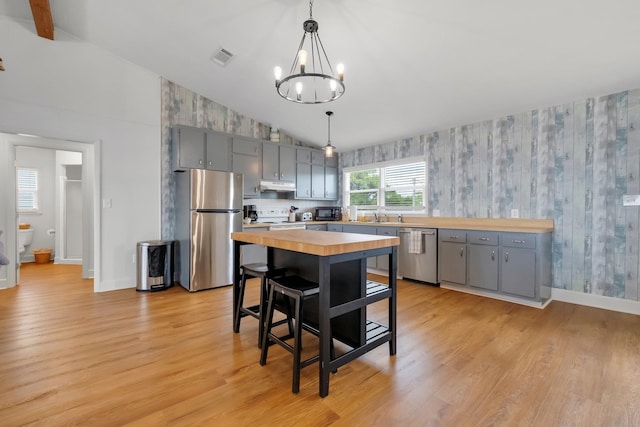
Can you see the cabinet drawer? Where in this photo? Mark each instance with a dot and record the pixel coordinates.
(387, 231)
(446, 235)
(243, 146)
(483, 237)
(334, 227)
(519, 240)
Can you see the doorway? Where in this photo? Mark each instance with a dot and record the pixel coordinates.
(82, 245)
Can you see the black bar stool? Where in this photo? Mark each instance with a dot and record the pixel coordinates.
(298, 290)
(258, 269)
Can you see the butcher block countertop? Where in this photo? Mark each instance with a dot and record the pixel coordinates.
(519, 225)
(321, 243)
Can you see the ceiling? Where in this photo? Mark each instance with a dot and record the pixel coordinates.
(411, 66)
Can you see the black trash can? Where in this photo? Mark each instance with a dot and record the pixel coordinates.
(155, 265)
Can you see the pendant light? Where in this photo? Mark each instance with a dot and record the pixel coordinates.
(328, 149)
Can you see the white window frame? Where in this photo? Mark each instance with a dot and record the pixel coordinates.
(36, 194)
(381, 188)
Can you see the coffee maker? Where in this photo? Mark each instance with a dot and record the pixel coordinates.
(251, 211)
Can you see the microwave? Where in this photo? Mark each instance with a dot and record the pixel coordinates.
(328, 213)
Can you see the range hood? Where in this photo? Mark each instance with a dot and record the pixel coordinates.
(277, 186)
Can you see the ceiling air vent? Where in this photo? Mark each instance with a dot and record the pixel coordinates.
(222, 57)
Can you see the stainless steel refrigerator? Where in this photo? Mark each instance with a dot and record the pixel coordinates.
(208, 209)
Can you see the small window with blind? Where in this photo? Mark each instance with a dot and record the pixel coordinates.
(396, 187)
(27, 180)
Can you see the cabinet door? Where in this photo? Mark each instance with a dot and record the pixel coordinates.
(317, 157)
(518, 275)
(303, 155)
(189, 146)
(483, 266)
(317, 181)
(331, 183)
(270, 162)
(247, 160)
(303, 181)
(217, 151)
(452, 262)
(287, 163)
(253, 253)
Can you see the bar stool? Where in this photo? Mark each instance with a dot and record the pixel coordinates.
(258, 269)
(299, 290)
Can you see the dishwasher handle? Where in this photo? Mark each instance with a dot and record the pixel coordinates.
(424, 233)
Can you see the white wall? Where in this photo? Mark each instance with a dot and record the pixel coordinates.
(71, 90)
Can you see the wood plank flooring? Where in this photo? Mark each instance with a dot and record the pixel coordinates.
(72, 357)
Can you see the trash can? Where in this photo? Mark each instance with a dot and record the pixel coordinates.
(155, 265)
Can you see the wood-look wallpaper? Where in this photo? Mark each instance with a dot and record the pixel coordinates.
(571, 163)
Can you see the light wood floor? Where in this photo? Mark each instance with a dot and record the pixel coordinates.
(72, 357)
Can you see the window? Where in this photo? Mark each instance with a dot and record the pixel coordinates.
(27, 190)
(398, 186)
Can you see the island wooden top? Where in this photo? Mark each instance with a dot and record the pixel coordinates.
(322, 243)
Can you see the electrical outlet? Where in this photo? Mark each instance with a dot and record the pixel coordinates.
(134, 258)
(436, 212)
(631, 200)
(106, 203)
(515, 213)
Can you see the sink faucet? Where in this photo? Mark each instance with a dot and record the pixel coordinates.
(399, 217)
(375, 216)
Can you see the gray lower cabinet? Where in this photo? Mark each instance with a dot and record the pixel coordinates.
(525, 262)
(253, 253)
(363, 229)
(334, 227)
(482, 258)
(512, 264)
(452, 256)
(382, 262)
(247, 160)
(318, 227)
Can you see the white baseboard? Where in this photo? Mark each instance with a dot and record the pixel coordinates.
(597, 301)
(115, 285)
(76, 261)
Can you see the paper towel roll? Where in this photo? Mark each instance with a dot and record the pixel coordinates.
(51, 232)
(353, 213)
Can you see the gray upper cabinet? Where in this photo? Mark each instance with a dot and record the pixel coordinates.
(218, 151)
(196, 148)
(314, 179)
(278, 162)
(317, 181)
(247, 160)
(330, 183)
(303, 180)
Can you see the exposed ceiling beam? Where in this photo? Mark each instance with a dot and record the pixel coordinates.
(42, 18)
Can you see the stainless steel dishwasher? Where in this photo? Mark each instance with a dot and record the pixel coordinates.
(418, 254)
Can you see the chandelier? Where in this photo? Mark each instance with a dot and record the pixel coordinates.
(328, 149)
(311, 79)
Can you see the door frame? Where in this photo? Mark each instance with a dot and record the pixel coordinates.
(90, 202)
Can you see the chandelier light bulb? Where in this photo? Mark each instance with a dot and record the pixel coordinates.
(333, 86)
(299, 90)
(277, 72)
(302, 57)
(340, 69)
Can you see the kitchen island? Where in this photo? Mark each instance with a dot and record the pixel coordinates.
(337, 262)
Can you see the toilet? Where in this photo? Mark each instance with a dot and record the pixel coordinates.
(25, 236)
